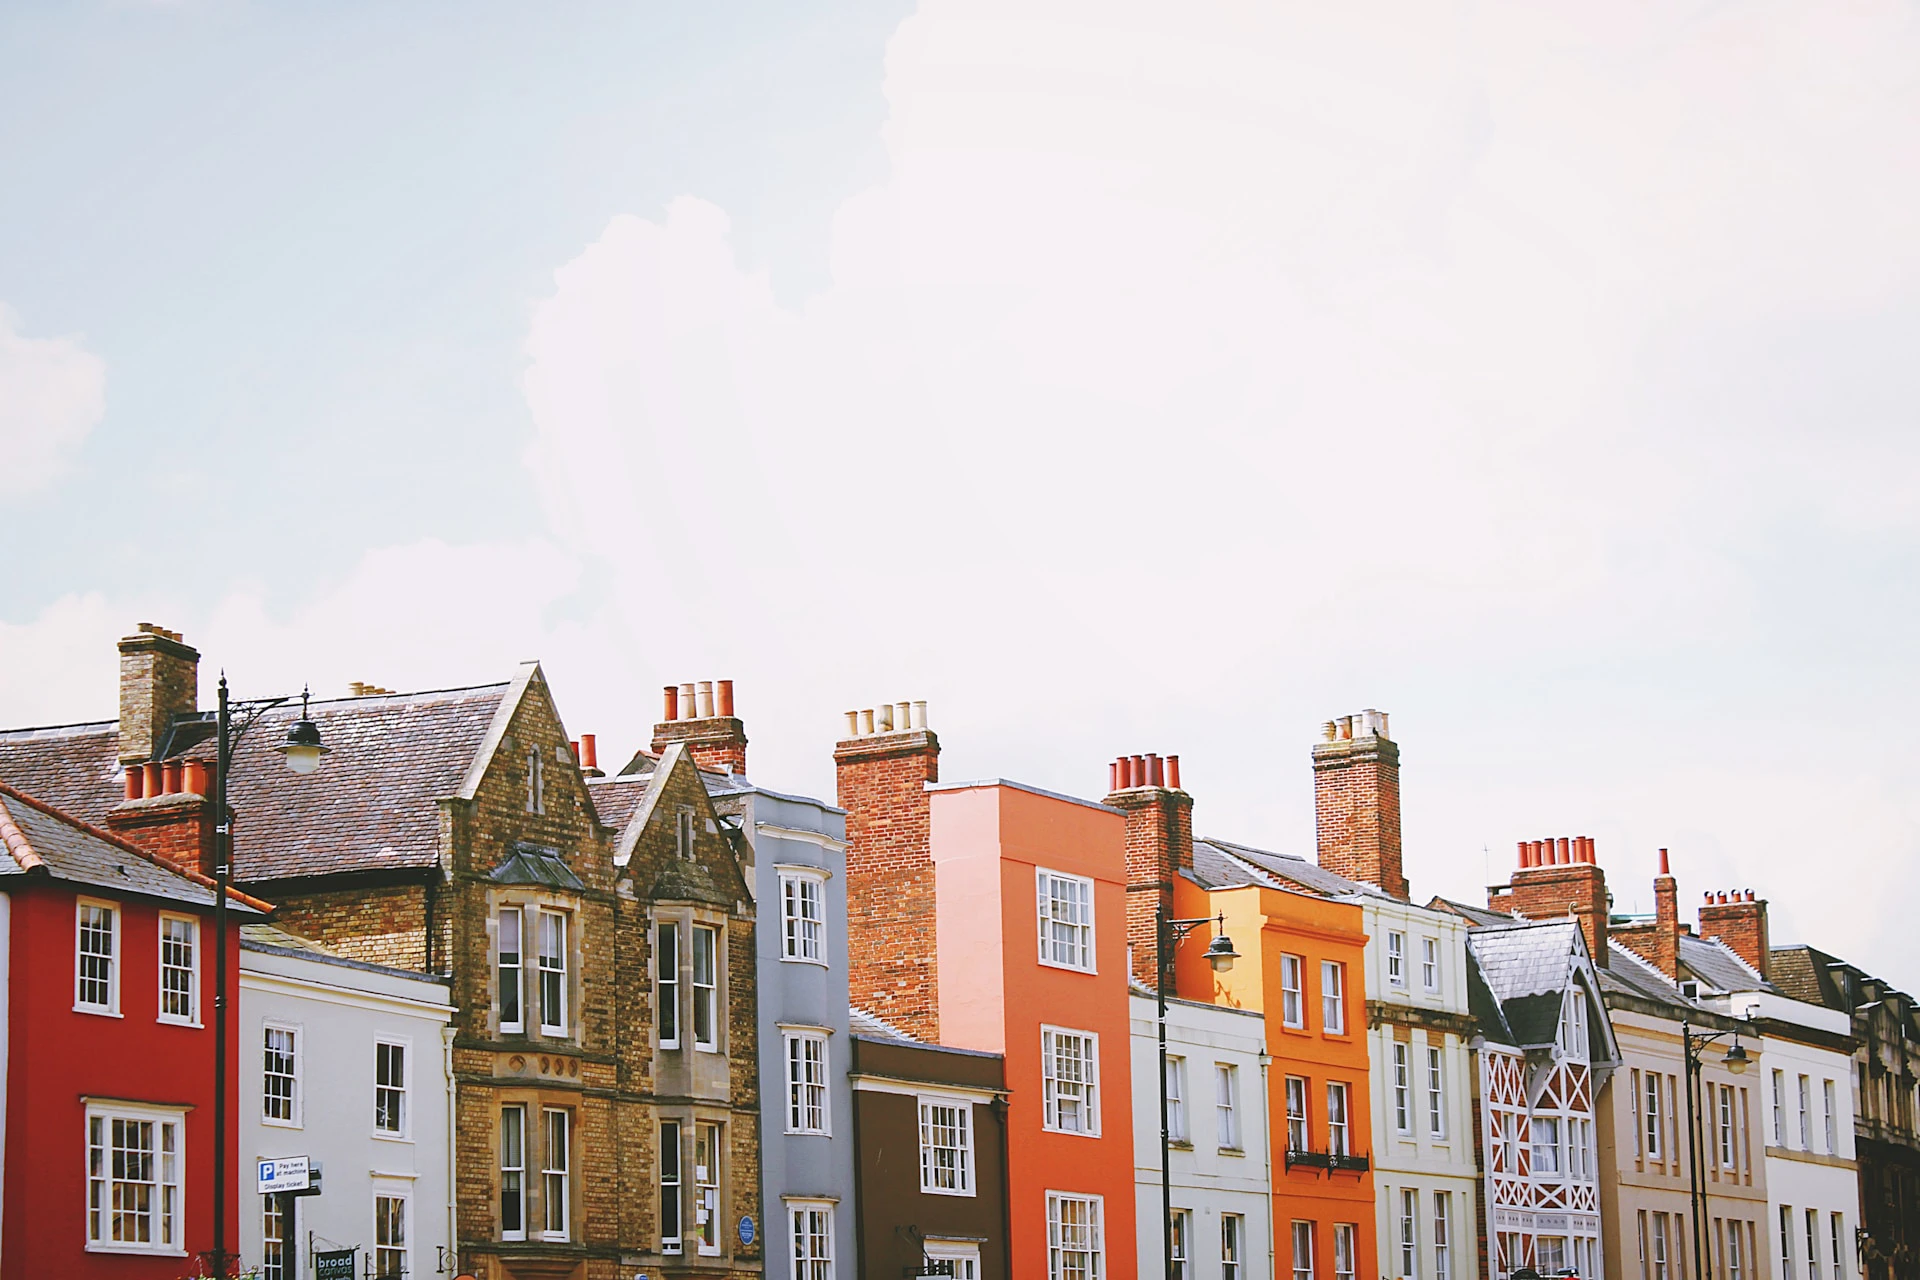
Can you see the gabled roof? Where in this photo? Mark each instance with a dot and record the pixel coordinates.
(1801, 973)
(41, 842)
(1528, 966)
(1718, 967)
(542, 868)
(1470, 913)
(1235, 863)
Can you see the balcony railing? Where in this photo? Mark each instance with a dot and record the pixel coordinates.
(1331, 1161)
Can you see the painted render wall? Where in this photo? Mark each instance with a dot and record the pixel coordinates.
(1208, 1180)
(1408, 1012)
(793, 831)
(339, 1008)
(1804, 1175)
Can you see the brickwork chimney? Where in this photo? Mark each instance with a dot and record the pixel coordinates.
(1159, 844)
(1559, 877)
(167, 812)
(1658, 942)
(883, 766)
(159, 679)
(1356, 801)
(693, 713)
(1738, 919)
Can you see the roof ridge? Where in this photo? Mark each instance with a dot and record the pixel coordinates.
(120, 842)
(1717, 941)
(16, 842)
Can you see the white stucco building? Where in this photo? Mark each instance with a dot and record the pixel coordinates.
(1806, 1095)
(1219, 1156)
(346, 1063)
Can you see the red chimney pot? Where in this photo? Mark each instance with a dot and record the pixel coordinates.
(136, 782)
(587, 744)
(1173, 772)
(670, 702)
(726, 700)
(1664, 869)
(170, 777)
(1156, 776)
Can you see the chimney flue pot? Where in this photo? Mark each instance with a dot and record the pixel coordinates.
(853, 724)
(687, 709)
(1113, 776)
(155, 784)
(195, 778)
(136, 782)
(1156, 776)
(726, 697)
(170, 778)
(588, 745)
(866, 722)
(919, 715)
(883, 717)
(1173, 772)
(1330, 731)
(669, 703)
(1566, 851)
(1665, 869)
(703, 699)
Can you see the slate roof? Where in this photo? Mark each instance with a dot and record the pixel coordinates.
(74, 767)
(1219, 864)
(1470, 913)
(615, 798)
(38, 840)
(1718, 966)
(1526, 966)
(1801, 974)
(268, 940)
(528, 865)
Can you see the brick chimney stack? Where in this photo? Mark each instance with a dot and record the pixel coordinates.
(1159, 844)
(1356, 801)
(1738, 919)
(159, 679)
(1658, 942)
(167, 811)
(1559, 877)
(883, 766)
(701, 715)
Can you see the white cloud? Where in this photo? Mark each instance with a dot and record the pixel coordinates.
(52, 393)
(1199, 373)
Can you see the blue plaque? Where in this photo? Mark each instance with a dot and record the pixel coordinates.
(746, 1228)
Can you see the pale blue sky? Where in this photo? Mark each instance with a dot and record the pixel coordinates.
(1115, 376)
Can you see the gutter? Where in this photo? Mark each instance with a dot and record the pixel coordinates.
(1267, 1123)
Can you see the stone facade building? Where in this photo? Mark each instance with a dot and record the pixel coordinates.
(601, 965)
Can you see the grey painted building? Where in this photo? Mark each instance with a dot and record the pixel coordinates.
(799, 882)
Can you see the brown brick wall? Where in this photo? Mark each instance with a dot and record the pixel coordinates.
(1159, 845)
(892, 921)
(1545, 893)
(178, 829)
(1657, 943)
(382, 926)
(718, 744)
(1741, 923)
(159, 679)
(1356, 807)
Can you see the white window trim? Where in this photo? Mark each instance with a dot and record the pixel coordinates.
(136, 1111)
(405, 1133)
(112, 1008)
(562, 1029)
(1299, 990)
(661, 985)
(1180, 1134)
(519, 1025)
(717, 1183)
(1091, 1109)
(794, 1207)
(1230, 1106)
(1099, 1203)
(672, 1243)
(1042, 875)
(404, 1194)
(717, 1020)
(1396, 958)
(809, 1035)
(1436, 1092)
(299, 1033)
(935, 1250)
(970, 1171)
(566, 1177)
(796, 875)
(1402, 1087)
(160, 975)
(1430, 946)
(500, 1169)
(1340, 1002)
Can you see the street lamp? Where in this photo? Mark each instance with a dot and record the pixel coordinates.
(302, 751)
(1167, 935)
(1735, 1062)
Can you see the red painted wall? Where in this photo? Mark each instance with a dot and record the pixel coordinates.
(996, 995)
(58, 1057)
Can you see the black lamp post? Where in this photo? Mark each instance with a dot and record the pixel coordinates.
(1167, 934)
(302, 751)
(1736, 1062)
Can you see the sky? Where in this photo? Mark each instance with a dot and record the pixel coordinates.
(1115, 377)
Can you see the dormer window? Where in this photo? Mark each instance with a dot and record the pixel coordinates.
(683, 832)
(1573, 1025)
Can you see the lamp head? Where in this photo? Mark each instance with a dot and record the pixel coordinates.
(1220, 953)
(302, 749)
(1737, 1059)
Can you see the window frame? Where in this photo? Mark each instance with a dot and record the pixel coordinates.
(161, 1118)
(1179, 1236)
(683, 833)
(800, 1214)
(706, 995)
(297, 1097)
(666, 984)
(1430, 965)
(1402, 1087)
(516, 1025)
(404, 1198)
(1806, 1112)
(1654, 1120)
(1300, 1237)
(111, 1009)
(560, 974)
(1293, 998)
(1297, 1088)
(1343, 1251)
(1084, 938)
(1436, 1093)
(798, 1087)
(1539, 1145)
(672, 1245)
(518, 1110)
(1226, 1105)
(1409, 1233)
(803, 938)
(1177, 1131)
(1442, 1235)
(1056, 1232)
(1333, 998)
(274, 1221)
(1827, 1122)
(1344, 1125)
(1088, 1085)
(1233, 1246)
(714, 1134)
(405, 1089)
(192, 1017)
(1396, 958)
(963, 1168)
(549, 1172)
(536, 782)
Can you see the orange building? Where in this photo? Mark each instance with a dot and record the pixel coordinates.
(1300, 965)
(1031, 905)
